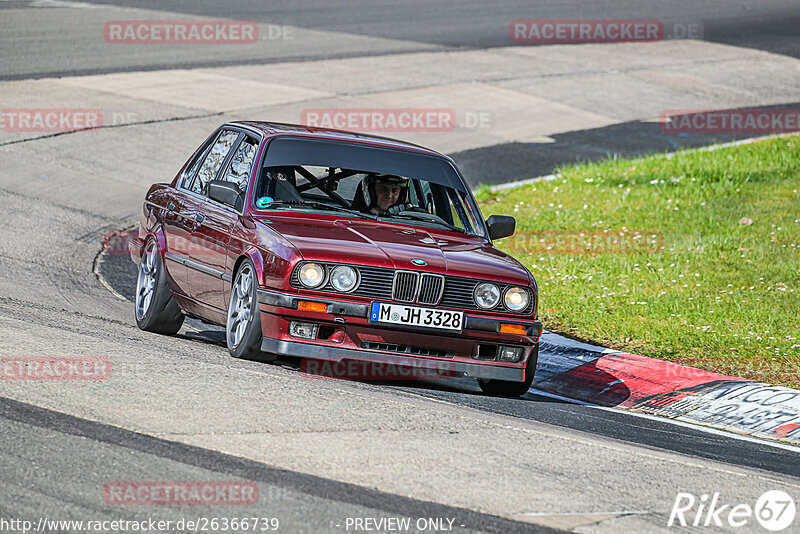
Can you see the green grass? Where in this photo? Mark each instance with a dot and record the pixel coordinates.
(701, 285)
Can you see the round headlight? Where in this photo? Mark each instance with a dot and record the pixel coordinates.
(516, 299)
(343, 278)
(312, 274)
(487, 295)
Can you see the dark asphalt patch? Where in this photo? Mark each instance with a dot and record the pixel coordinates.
(775, 33)
(120, 273)
(769, 26)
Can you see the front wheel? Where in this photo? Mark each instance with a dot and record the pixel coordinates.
(156, 309)
(243, 328)
(504, 388)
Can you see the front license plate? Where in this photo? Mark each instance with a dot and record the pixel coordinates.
(382, 312)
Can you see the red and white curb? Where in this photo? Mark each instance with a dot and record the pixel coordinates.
(607, 377)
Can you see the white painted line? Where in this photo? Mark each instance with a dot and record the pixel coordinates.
(695, 426)
(96, 270)
(64, 3)
(520, 183)
(579, 514)
(549, 177)
(563, 341)
(740, 142)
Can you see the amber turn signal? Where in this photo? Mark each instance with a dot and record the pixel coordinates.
(307, 305)
(506, 328)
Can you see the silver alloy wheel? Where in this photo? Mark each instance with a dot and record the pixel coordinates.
(146, 283)
(241, 303)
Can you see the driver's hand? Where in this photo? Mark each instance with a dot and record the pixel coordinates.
(397, 208)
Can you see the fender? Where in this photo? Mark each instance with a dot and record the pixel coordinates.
(258, 262)
(255, 256)
(136, 248)
(535, 286)
(158, 233)
(136, 243)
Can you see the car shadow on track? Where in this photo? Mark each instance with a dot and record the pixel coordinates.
(585, 382)
(451, 388)
(214, 337)
(583, 379)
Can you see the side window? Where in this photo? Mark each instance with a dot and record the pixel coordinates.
(213, 161)
(241, 164)
(190, 173)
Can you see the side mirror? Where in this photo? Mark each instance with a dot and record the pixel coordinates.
(501, 226)
(224, 192)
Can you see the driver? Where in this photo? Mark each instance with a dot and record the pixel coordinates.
(385, 193)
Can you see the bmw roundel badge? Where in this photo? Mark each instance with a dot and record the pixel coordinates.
(420, 263)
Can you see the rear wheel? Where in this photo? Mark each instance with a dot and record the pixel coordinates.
(156, 309)
(504, 388)
(243, 328)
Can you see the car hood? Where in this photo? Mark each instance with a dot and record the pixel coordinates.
(394, 246)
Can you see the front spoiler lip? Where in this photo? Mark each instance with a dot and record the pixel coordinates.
(282, 300)
(468, 370)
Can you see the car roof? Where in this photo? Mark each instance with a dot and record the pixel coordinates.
(272, 129)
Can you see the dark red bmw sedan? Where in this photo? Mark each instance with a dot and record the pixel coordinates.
(336, 246)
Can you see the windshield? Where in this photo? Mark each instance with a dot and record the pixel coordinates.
(379, 192)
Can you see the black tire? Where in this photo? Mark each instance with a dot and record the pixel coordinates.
(244, 315)
(161, 314)
(504, 388)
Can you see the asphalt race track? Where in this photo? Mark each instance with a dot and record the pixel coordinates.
(417, 25)
(322, 452)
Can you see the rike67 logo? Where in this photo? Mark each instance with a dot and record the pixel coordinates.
(774, 511)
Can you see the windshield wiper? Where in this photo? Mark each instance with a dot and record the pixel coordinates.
(420, 217)
(322, 206)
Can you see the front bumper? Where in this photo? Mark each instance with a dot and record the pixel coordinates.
(322, 352)
(352, 337)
